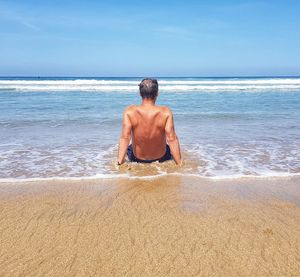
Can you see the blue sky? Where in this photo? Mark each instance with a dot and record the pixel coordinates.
(149, 38)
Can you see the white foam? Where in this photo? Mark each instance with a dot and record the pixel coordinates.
(264, 84)
(147, 177)
(211, 161)
(258, 159)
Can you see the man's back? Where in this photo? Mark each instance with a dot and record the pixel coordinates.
(149, 127)
(148, 130)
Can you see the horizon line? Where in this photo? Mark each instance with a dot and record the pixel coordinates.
(219, 76)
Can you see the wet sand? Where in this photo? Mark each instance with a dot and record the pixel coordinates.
(169, 226)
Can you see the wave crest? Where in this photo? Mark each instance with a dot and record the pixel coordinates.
(99, 85)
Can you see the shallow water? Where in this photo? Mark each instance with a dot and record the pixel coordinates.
(65, 127)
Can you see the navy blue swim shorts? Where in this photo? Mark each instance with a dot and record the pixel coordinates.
(164, 158)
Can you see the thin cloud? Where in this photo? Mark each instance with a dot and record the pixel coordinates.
(174, 30)
(11, 16)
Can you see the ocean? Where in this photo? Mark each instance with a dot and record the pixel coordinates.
(227, 127)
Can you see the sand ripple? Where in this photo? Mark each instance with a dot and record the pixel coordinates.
(165, 227)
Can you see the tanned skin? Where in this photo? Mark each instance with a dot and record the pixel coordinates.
(149, 127)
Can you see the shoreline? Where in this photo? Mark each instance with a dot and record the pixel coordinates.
(168, 226)
(124, 176)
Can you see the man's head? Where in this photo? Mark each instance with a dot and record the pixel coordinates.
(149, 88)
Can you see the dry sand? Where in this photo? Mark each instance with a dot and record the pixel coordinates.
(170, 226)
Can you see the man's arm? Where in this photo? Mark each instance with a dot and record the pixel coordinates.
(125, 137)
(172, 138)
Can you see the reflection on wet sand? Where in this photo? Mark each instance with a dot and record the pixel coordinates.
(169, 226)
(190, 166)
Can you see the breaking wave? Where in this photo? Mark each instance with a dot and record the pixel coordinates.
(182, 85)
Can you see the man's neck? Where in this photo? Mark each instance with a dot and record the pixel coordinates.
(148, 102)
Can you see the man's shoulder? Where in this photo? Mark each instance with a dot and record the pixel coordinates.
(130, 109)
(165, 109)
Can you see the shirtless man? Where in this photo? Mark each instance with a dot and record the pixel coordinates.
(149, 127)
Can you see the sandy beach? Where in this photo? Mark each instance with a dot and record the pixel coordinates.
(168, 226)
(158, 138)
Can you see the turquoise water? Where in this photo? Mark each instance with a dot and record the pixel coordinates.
(69, 127)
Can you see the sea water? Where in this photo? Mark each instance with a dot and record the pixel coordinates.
(69, 127)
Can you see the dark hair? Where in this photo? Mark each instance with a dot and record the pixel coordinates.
(149, 88)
